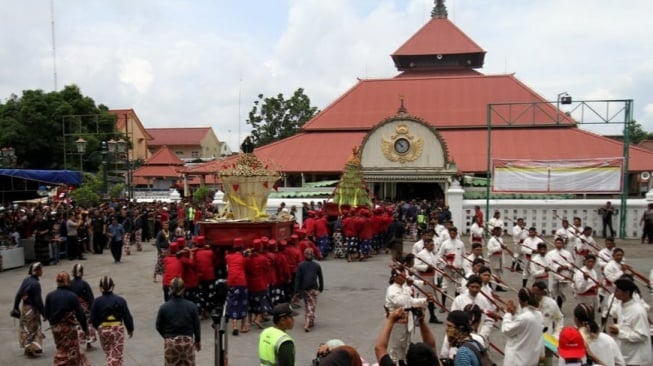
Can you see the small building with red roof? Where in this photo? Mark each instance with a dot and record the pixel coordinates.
(161, 171)
(429, 123)
(189, 143)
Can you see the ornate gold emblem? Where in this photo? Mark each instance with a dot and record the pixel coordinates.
(402, 146)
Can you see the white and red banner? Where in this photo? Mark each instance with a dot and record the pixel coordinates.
(602, 175)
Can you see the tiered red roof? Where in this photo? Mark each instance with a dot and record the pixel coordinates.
(438, 37)
(164, 163)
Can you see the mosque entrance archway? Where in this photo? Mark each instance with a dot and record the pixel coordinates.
(419, 191)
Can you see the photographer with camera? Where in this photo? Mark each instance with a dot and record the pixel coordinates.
(400, 295)
(418, 354)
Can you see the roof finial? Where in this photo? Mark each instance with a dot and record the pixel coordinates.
(402, 111)
(440, 10)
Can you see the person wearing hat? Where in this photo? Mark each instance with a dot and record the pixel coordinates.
(308, 283)
(632, 331)
(523, 331)
(322, 234)
(178, 323)
(459, 335)
(82, 289)
(450, 257)
(275, 346)
(257, 269)
(110, 316)
(571, 347)
(64, 314)
(30, 336)
(237, 295)
(601, 348)
(206, 290)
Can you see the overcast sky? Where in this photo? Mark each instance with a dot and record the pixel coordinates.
(203, 62)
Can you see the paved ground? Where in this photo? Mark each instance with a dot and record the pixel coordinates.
(351, 308)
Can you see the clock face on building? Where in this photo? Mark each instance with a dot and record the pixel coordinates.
(402, 146)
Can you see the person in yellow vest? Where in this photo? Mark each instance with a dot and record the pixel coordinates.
(275, 346)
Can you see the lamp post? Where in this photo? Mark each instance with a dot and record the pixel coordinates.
(8, 157)
(81, 149)
(563, 98)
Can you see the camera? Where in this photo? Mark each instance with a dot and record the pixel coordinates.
(418, 312)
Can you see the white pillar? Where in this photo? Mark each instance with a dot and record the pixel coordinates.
(455, 202)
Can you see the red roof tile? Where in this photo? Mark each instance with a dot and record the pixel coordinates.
(324, 152)
(438, 36)
(164, 156)
(442, 101)
(468, 148)
(157, 171)
(327, 152)
(210, 167)
(177, 136)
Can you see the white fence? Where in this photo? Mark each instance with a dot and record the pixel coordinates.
(542, 214)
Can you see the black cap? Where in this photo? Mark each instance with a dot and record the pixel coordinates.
(281, 310)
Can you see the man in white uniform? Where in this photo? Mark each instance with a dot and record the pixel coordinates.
(495, 221)
(528, 248)
(585, 288)
(477, 252)
(632, 330)
(611, 273)
(425, 262)
(519, 234)
(495, 248)
(419, 245)
(523, 331)
(450, 258)
(585, 245)
(560, 261)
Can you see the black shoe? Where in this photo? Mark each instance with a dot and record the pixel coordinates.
(435, 321)
(234, 332)
(500, 289)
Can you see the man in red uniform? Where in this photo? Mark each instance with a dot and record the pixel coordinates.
(190, 275)
(322, 233)
(173, 265)
(257, 271)
(305, 242)
(351, 236)
(309, 225)
(293, 257)
(206, 274)
(364, 228)
(238, 296)
(376, 222)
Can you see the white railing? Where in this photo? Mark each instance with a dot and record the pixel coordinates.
(542, 214)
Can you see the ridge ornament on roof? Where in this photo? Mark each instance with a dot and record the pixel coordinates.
(439, 10)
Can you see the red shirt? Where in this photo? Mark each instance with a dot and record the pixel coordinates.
(349, 226)
(204, 264)
(236, 264)
(364, 228)
(292, 257)
(190, 276)
(309, 226)
(173, 268)
(377, 224)
(272, 274)
(257, 270)
(282, 268)
(321, 227)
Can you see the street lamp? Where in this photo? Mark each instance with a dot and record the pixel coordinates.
(563, 98)
(81, 149)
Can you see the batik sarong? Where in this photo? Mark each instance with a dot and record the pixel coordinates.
(91, 335)
(338, 244)
(365, 246)
(324, 244)
(112, 340)
(138, 238)
(66, 341)
(351, 243)
(179, 351)
(30, 336)
(158, 266)
(237, 302)
(277, 294)
(126, 241)
(259, 302)
(206, 295)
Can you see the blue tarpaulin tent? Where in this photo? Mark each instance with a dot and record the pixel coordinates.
(18, 184)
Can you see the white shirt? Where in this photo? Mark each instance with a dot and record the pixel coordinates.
(604, 257)
(495, 246)
(400, 296)
(582, 285)
(494, 222)
(551, 314)
(451, 247)
(476, 232)
(418, 246)
(556, 258)
(465, 299)
(523, 332)
(538, 265)
(529, 246)
(430, 257)
(565, 234)
(605, 348)
(585, 244)
(518, 235)
(612, 271)
(634, 338)
(467, 264)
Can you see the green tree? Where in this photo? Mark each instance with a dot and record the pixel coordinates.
(637, 133)
(275, 118)
(201, 194)
(33, 125)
